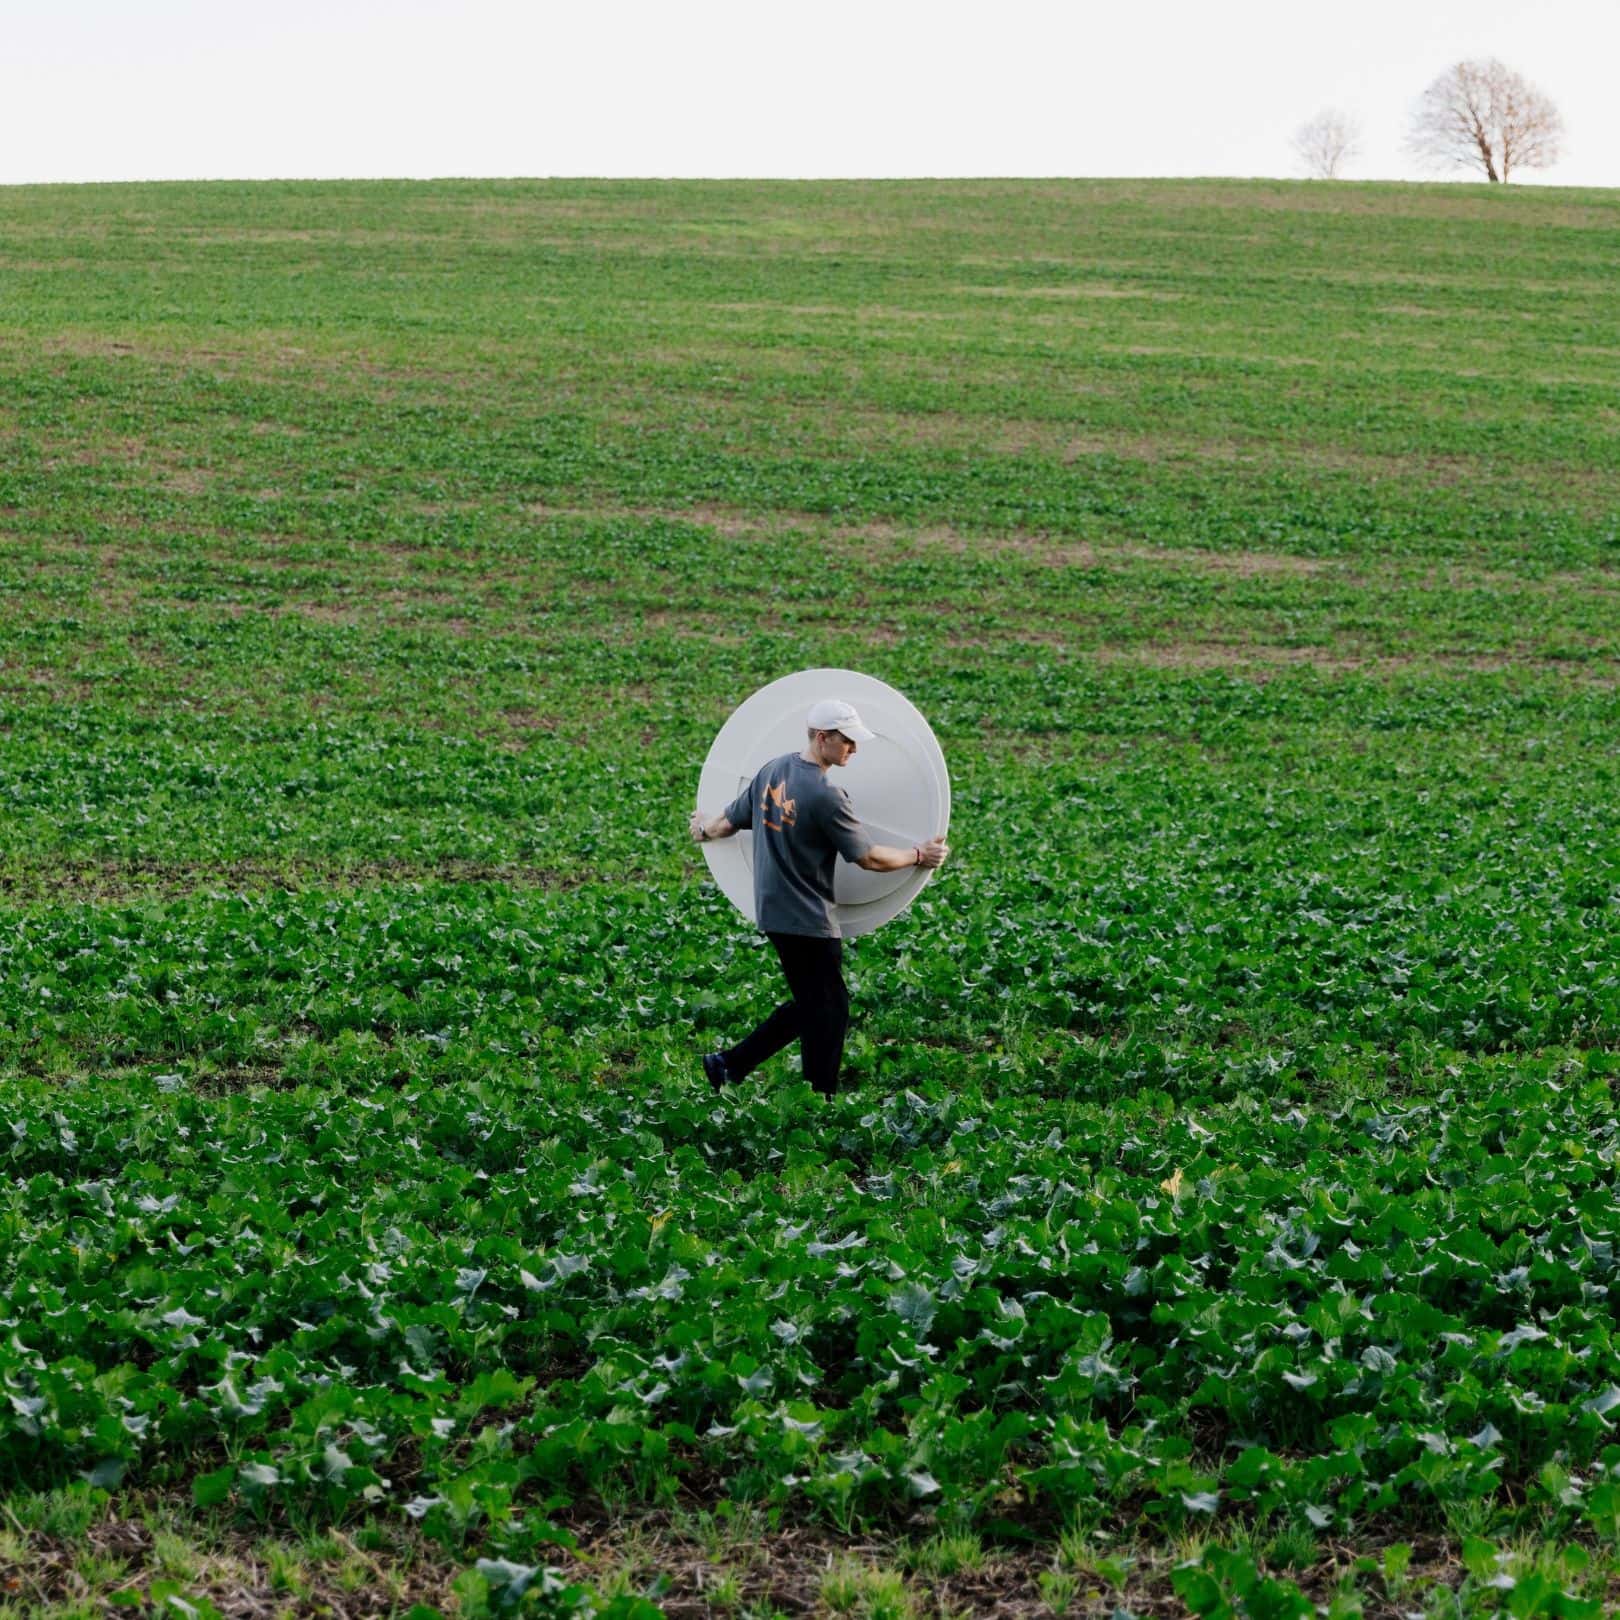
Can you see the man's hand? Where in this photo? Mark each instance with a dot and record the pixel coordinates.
(934, 852)
(704, 830)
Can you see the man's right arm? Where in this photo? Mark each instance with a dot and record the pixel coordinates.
(851, 840)
(889, 858)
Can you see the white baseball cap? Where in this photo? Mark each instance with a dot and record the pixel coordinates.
(833, 714)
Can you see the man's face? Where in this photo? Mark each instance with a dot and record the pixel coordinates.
(834, 747)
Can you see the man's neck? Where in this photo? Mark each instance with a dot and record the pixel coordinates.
(810, 759)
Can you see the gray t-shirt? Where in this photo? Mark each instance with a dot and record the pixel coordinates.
(801, 825)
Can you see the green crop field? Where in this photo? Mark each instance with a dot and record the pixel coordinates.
(1222, 1215)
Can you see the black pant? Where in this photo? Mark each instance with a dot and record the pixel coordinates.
(817, 1016)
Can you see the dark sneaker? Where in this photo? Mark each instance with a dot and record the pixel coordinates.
(715, 1070)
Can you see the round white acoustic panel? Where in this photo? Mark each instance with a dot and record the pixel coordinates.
(897, 785)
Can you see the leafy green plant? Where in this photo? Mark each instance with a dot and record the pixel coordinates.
(1229, 1156)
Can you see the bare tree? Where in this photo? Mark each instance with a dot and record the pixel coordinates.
(1484, 115)
(1327, 143)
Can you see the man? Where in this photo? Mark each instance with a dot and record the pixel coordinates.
(801, 824)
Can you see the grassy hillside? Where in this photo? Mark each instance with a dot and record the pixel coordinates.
(1222, 1208)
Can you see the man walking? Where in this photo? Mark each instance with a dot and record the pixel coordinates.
(801, 824)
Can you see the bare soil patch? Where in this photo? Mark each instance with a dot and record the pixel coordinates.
(708, 1568)
(186, 481)
(1099, 289)
(232, 1568)
(1257, 656)
(134, 877)
(1194, 655)
(1057, 551)
(697, 1564)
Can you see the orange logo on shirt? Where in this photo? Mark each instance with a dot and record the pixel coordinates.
(776, 800)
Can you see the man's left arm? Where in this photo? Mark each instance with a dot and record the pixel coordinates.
(738, 816)
(705, 829)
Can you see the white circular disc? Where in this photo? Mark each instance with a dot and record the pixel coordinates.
(897, 785)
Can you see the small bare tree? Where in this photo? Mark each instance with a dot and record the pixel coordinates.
(1327, 143)
(1484, 115)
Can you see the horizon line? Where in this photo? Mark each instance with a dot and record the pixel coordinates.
(827, 179)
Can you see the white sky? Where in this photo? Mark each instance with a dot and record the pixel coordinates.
(190, 89)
